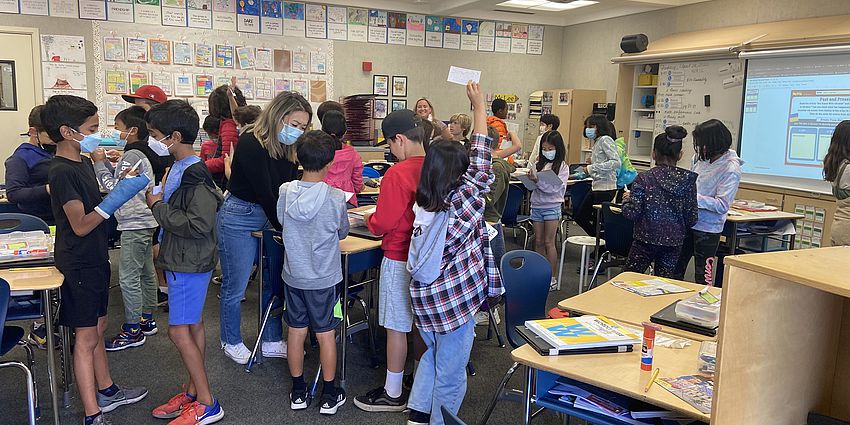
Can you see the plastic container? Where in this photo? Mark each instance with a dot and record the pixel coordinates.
(18, 245)
(698, 311)
(707, 360)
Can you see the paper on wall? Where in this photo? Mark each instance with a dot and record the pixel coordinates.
(462, 76)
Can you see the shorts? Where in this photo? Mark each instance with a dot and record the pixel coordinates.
(313, 308)
(85, 296)
(545, 214)
(395, 310)
(186, 295)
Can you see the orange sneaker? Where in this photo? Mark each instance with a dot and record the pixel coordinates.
(173, 407)
(198, 414)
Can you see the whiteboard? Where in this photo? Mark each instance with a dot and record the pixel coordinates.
(680, 98)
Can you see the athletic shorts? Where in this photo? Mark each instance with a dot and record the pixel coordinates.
(395, 308)
(186, 295)
(313, 308)
(85, 296)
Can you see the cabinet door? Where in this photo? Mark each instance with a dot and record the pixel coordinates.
(814, 230)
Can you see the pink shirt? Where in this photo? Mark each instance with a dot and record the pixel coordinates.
(346, 173)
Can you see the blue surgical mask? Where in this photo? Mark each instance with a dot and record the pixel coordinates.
(90, 142)
(550, 155)
(289, 135)
(590, 133)
(119, 141)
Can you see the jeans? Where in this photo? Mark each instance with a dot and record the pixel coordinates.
(237, 249)
(441, 376)
(700, 245)
(136, 274)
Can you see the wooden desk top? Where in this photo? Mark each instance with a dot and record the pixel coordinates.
(821, 268)
(630, 308)
(621, 372)
(354, 245)
(371, 191)
(750, 216)
(32, 279)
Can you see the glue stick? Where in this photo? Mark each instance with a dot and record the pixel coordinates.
(648, 346)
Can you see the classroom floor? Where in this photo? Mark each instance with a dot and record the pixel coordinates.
(261, 397)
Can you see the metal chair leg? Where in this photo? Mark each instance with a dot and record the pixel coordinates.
(525, 240)
(561, 262)
(30, 388)
(31, 366)
(498, 394)
(253, 358)
(470, 369)
(492, 323)
(602, 258)
(370, 331)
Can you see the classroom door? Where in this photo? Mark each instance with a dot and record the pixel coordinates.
(20, 83)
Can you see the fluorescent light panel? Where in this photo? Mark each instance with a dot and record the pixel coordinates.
(546, 5)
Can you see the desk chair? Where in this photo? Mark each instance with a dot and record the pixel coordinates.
(19, 222)
(526, 290)
(380, 167)
(371, 173)
(273, 262)
(510, 217)
(619, 234)
(11, 336)
(450, 418)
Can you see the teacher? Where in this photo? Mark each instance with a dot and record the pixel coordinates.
(425, 110)
(835, 171)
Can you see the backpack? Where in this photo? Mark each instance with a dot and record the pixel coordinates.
(627, 173)
(427, 244)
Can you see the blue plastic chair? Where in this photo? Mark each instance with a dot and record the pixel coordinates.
(18, 222)
(380, 167)
(526, 290)
(619, 234)
(450, 418)
(10, 337)
(578, 192)
(371, 173)
(510, 217)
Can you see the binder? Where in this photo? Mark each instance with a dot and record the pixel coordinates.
(546, 349)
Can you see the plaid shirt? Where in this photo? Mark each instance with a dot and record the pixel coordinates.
(470, 273)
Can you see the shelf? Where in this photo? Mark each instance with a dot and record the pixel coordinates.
(646, 87)
(643, 110)
(643, 129)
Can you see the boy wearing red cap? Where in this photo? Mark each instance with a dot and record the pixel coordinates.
(146, 96)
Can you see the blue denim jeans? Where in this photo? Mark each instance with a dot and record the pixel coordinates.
(441, 377)
(238, 252)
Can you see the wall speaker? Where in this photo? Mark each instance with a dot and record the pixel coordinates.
(634, 43)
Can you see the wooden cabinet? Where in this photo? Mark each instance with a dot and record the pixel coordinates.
(572, 106)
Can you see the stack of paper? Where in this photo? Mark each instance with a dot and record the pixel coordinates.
(694, 389)
(585, 400)
(650, 287)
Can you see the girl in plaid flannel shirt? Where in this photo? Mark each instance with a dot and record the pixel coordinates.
(455, 181)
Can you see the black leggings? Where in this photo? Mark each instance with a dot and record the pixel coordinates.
(701, 246)
(586, 216)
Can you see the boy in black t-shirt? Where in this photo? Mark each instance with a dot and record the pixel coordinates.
(81, 248)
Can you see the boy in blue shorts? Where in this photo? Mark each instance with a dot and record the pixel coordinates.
(186, 209)
(313, 214)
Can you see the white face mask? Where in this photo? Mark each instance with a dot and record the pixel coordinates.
(550, 155)
(157, 146)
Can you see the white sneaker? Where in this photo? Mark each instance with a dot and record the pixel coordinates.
(275, 349)
(481, 318)
(239, 353)
(553, 285)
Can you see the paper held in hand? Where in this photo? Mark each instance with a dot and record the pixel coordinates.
(462, 76)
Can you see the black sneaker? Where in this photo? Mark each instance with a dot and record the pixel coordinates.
(148, 327)
(332, 402)
(377, 400)
(161, 298)
(298, 400)
(418, 418)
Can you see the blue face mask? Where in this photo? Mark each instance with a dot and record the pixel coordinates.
(590, 133)
(289, 134)
(120, 142)
(550, 155)
(90, 142)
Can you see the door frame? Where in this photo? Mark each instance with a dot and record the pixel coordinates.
(36, 58)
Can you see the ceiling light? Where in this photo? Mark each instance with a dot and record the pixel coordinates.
(523, 3)
(547, 5)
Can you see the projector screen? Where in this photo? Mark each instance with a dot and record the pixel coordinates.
(791, 107)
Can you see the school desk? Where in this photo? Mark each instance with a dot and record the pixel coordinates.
(630, 308)
(741, 216)
(44, 280)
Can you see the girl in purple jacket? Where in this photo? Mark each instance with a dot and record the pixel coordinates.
(547, 199)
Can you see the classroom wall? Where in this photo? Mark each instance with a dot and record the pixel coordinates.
(588, 48)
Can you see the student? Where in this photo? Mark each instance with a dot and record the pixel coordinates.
(835, 171)
(222, 103)
(719, 170)
(26, 171)
(497, 120)
(425, 111)
(81, 251)
(209, 146)
(393, 219)
(146, 96)
(459, 125)
(245, 115)
(605, 161)
(547, 199)
(548, 122)
(663, 206)
(346, 172)
(136, 273)
(185, 209)
(327, 106)
(266, 161)
(313, 214)
(454, 183)
(627, 173)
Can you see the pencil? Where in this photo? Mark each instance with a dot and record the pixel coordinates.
(135, 166)
(652, 380)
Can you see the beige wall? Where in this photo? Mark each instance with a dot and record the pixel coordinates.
(588, 48)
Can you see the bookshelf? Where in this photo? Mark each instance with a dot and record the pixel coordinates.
(642, 120)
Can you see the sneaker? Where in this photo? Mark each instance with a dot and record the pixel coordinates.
(38, 335)
(101, 419)
(274, 349)
(173, 407)
(216, 280)
(198, 414)
(123, 397)
(378, 400)
(148, 327)
(332, 402)
(161, 298)
(125, 339)
(299, 400)
(239, 353)
(553, 285)
(416, 417)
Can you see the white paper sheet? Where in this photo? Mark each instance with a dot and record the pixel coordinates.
(462, 76)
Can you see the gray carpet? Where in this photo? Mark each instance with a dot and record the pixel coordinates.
(261, 397)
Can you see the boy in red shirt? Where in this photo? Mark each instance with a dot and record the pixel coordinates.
(393, 218)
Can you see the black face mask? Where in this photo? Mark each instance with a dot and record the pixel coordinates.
(51, 149)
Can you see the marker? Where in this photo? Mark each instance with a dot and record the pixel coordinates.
(652, 380)
(134, 167)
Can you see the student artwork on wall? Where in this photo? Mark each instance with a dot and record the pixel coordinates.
(433, 31)
(469, 35)
(377, 26)
(519, 38)
(137, 49)
(503, 37)
(63, 8)
(301, 87)
(199, 13)
(183, 85)
(263, 88)
(337, 23)
(248, 16)
(535, 39)
(163, 80)
(9, 6)
(147, 12)
(300, 63)
(281, 85)
(397, 28)
(282, 61)
(358, 24)
(263, 59)
(42, 8)
(224, 15)
(160, 51)
(380, 85)
(486, 36)
(65, 76)
(318, 91)
(63, 48)
(116, 10)
(451, 36)
(182, 53)
(203, 85)
(293, 19)
(221, 80)
(204, 55)
(381, 107)
(316, 16)
(116, 81)
(223, 56)
(113, 108)
(138, 79)
(415, 30)
(272, 20)
(399, 86)
(174, 13)
(246, 58)
(91, 9)
(113, 49)
(318, 63)
(399, 104)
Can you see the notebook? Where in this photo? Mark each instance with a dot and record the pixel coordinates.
(582, 332)
(667, 317)
(546, 349)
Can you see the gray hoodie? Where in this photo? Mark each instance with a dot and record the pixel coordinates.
(314, 220)
(135, 214)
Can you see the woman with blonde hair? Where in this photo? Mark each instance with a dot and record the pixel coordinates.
(264, 159)
(425, 110)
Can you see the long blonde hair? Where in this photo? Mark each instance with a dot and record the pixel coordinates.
(430, 105)
(265, 129)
